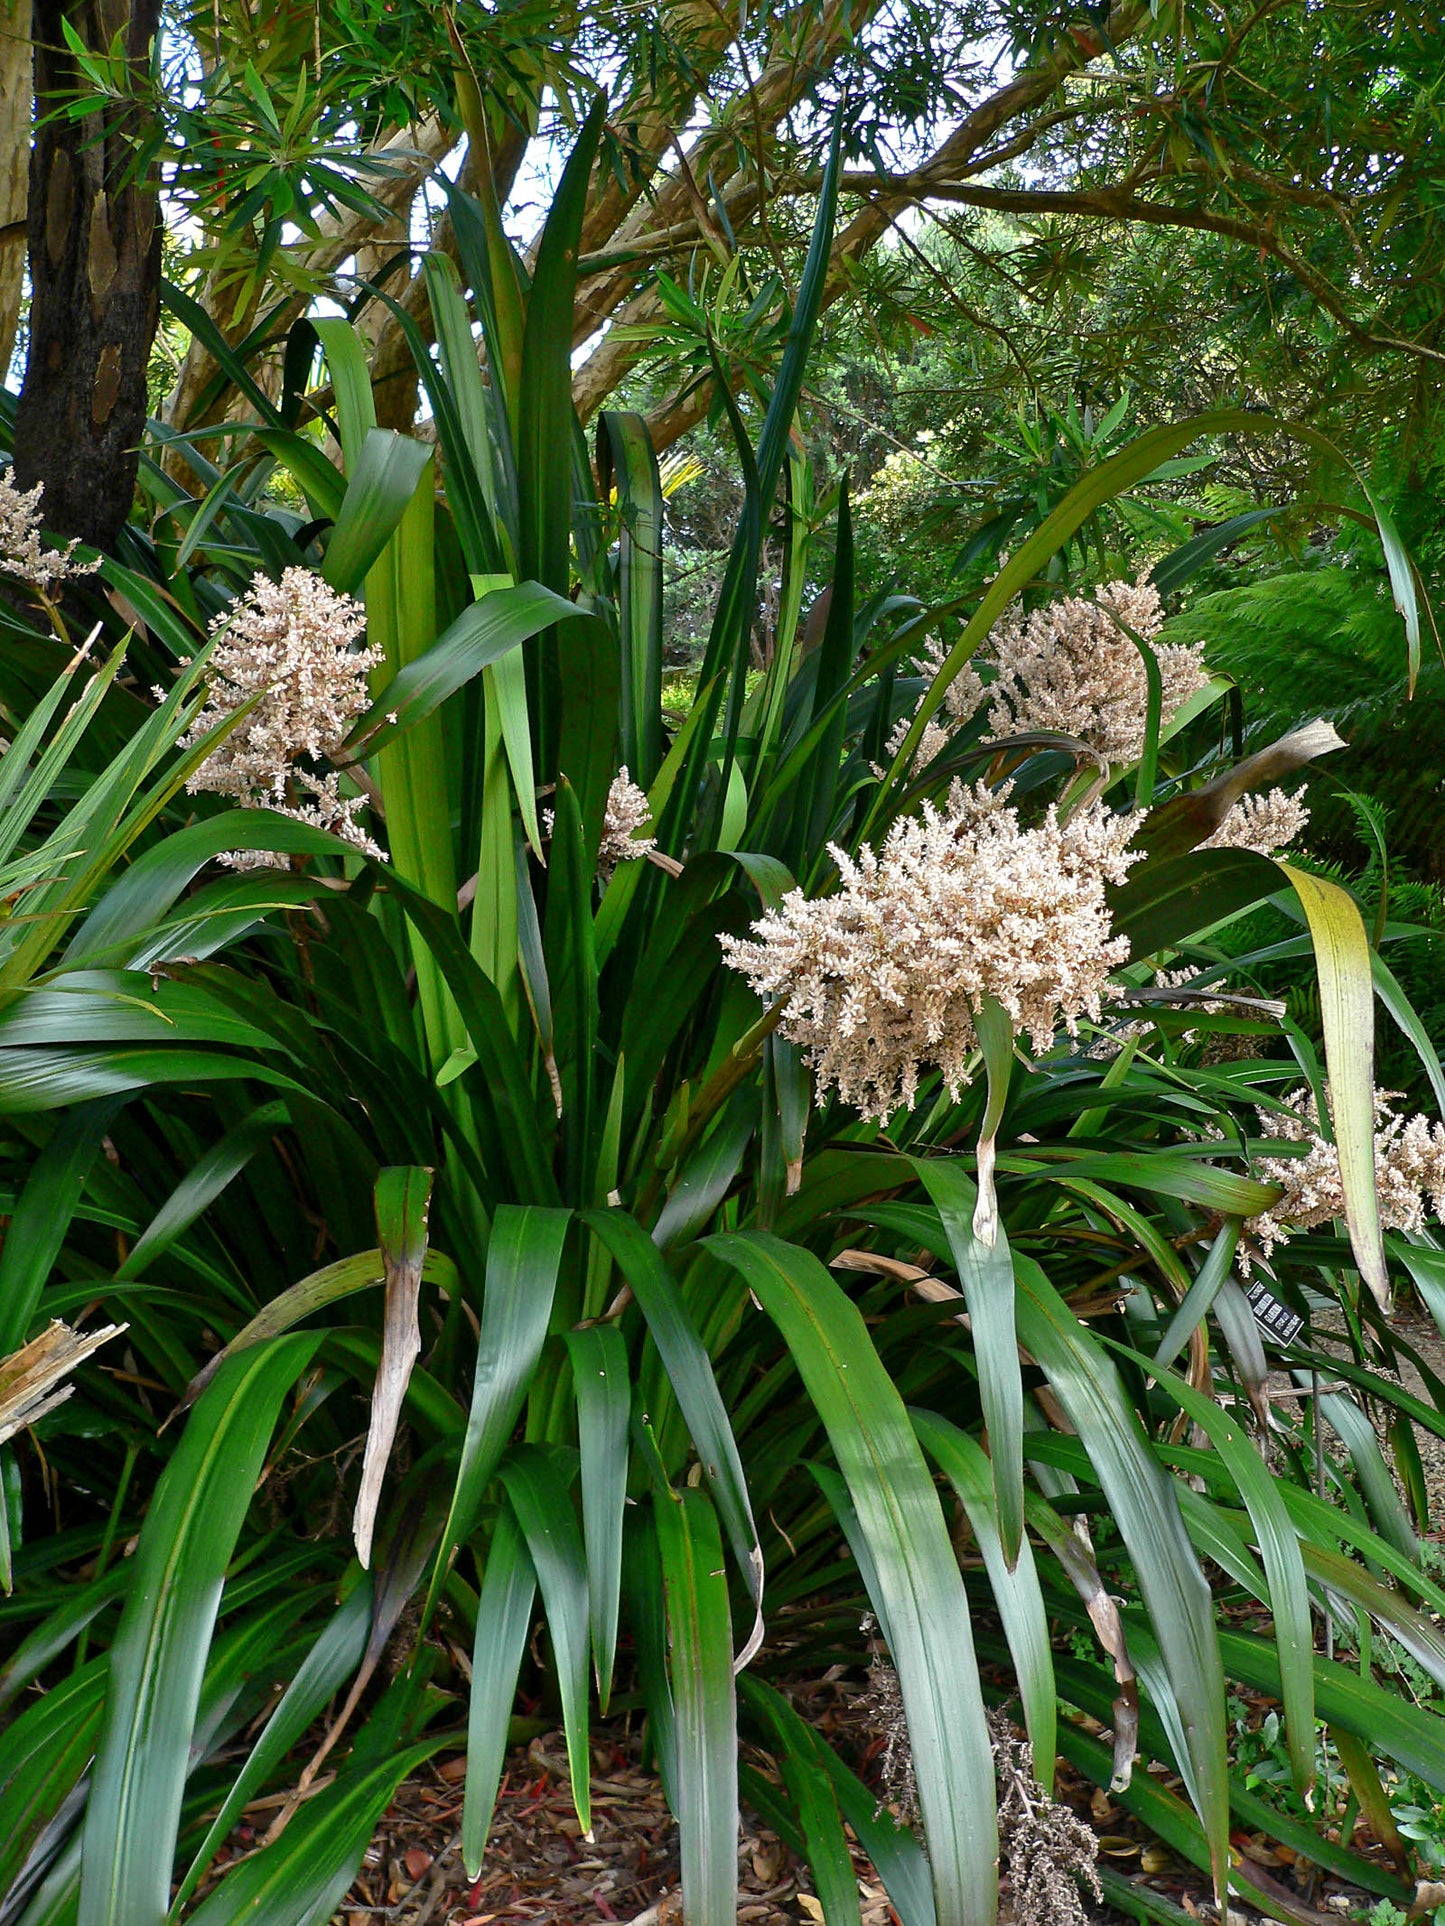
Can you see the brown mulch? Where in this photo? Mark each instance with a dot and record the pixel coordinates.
(538, 1866)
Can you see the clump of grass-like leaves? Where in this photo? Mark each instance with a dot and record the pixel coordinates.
(508, 1256)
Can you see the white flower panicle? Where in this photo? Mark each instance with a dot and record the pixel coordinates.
(628, 811)
(1263, 824)
(1409, 1166)
(960, 699)
(20, 551)
(1071, 668)
(292, 644)
(884, 978)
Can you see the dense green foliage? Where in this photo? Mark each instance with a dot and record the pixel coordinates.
(485, 1252)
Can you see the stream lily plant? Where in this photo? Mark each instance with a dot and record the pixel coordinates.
(701, 1178)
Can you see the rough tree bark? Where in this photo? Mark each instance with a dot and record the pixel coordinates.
(95, 264)
(14, 166)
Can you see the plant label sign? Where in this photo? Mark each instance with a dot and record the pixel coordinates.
(1274, 1319)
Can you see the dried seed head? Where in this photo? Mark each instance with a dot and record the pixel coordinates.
(1071, 668)
(21, 553)
(1045, 1850)
(292, 644)
(882, 1705)
(883, 979)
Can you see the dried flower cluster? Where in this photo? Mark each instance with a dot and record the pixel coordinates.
(1045, 1850)
(883, 1706)
(1261, 823)
(20, 551)
(628, 811)
(1409, 1166)
(292, 643)
(1070, 667)
(960, 699)
(884, 978)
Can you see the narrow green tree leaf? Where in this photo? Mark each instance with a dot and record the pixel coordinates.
(504, 1621)
(985, 1273)
(1214, 1273)
(523, 1260)
(1146, 1511)
(327, 1666)
(202, 1184)
(603, 1388)
(690, 1373)
(543, 1504)
(482, 634)
(700, 1642)
(159, 1654)
(893, 1849)
(1279, 1549)
(1016, 1588)
(625, 452)
(344, 346)
(382, 484)
(814, 1801)
(302, 1877)
(42, 1215)
(43, 1758)
(919, 1594)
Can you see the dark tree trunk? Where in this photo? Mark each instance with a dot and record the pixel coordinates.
(14, 170)
(95, 263)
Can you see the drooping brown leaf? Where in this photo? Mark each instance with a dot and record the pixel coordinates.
(402, 1197)
(1187, 820)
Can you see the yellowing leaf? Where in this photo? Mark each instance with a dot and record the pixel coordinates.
(1347, 1016)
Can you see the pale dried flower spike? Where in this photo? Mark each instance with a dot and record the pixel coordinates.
(1261, 824)
(628, 816)
(1409, 1167)
(960, 700)
(21, 551)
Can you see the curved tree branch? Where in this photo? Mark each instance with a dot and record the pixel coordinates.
(974, 136)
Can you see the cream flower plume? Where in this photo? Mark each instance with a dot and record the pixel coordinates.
(883, 979)
(292, 644)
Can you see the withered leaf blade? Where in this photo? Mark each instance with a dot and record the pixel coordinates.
(403, 1194)
(1108, 1624)
(1187, 819)
(31, 1379)
(996, 1040)
(344, 1278)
